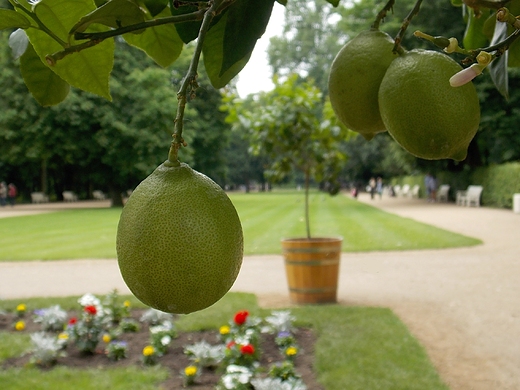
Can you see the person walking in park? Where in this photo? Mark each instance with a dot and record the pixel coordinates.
(379, 186)
(3, 194)
(427, 184)
(11, 193)
(432, 190)
(372, 187)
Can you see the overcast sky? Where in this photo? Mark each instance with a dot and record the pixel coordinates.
(256, 76)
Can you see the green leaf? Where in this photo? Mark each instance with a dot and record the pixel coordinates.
(246, 23)
(498, 68)
(282, 2)
(46, 87)
(514, 49)
(89, 69)
(214, 56)
(155, 6)
(474, 36)
(12, 19)
(457, 3)
(114, 14)
(333, 2)
(189, 31)
(514, 55)
(161, 43)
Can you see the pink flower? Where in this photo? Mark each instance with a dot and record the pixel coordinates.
(91, 309)
(465, 75)
(247, 349)
(73, 321)
(230, 345)
(241, 317)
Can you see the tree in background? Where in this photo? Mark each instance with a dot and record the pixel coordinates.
(291, 127)
(87, 143)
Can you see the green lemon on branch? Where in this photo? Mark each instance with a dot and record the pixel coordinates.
(355, 76)
(423, 112)
(179, 240)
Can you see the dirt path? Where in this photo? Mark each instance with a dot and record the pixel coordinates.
(462, 304)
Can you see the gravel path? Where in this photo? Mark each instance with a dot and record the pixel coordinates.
(462, 304)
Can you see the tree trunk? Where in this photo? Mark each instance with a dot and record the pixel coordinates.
(115, 196)
(307, 222)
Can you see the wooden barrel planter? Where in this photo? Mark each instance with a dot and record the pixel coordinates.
(312, 269)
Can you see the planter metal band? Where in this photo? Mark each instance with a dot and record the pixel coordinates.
(312, 290)
(324, 249)
(312, 262)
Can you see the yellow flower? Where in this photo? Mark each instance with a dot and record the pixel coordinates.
(190, 371)
(148, 350)
(20, 325)
(106, 338)
(224, 329)
(126, 303)
(291, 351)
(63, 336)
(21, 307)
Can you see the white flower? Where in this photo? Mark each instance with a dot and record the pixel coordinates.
(166, 340)
(281, 320)
(236, 374)
(88, 299)
(278, 384)
(465, 75)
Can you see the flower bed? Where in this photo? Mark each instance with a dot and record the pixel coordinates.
(246, 353)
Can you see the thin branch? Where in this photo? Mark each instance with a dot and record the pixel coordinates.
(382, 14)
(189, 83)
(404, 26)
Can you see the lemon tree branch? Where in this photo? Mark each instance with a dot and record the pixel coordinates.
(404, 26)
(189, 84)
(382, 14)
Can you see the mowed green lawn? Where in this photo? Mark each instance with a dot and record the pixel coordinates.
(266, 218)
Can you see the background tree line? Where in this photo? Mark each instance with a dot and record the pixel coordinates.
(87, 143)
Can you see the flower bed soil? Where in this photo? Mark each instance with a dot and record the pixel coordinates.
(174, 360)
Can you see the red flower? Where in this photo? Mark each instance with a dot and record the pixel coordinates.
(73, 321)
(247, 349)
(91, 309)
(241, 317)
(231, 344)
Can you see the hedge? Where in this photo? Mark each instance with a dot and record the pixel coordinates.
(500, 182)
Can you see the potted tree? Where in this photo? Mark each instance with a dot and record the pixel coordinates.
(296, 130)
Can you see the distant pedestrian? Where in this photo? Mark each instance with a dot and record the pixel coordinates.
(11, 193)
(379, 187)
(428, 184)
(3, 194)
(432, 190)
(372, 187)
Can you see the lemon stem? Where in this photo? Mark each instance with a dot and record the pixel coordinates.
(189, 85)
(382, 14)
(404, 26)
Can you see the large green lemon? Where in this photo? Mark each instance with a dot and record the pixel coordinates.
(423, 113)
(354, 80)
(179, 240)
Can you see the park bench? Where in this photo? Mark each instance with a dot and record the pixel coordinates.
(39, 197)
(442, 193)
(98, 195)
(405, 190)
(415, 191)
(69, 196)
(469, 197)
